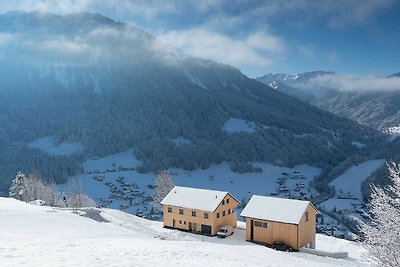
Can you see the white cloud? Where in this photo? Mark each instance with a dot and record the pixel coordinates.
(59, 6)
(5, 39)
(147, 9)
(336, 13)
(222, 22)
(352, 12)
(250, 50)
(357, 83)
(307, 51)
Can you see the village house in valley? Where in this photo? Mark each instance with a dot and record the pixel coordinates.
(271, 219)
(199, 210)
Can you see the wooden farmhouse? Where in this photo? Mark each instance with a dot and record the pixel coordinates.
(271, 219)
(199, 210)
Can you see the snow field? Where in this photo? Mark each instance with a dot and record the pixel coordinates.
(218, 177)
(47, 144)
(43, 236)
(350, 181)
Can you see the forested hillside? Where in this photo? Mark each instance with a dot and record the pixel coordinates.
(84, 78)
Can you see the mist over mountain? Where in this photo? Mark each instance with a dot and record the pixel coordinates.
(108, 86)
(374, 101)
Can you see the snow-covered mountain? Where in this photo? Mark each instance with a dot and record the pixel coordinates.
(377, 108)
(97, 86)
(297, 85)
(57, 237)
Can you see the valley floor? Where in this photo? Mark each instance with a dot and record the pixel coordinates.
(43, 236)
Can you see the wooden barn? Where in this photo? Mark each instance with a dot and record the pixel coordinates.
(270, 219)
(199, 210)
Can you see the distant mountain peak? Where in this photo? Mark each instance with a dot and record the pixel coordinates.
(394, 75)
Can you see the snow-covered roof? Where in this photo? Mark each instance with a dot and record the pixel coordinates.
(275, 209)
(194, 198)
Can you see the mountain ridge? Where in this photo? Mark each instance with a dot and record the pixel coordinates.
(114, 88)
(375, 108)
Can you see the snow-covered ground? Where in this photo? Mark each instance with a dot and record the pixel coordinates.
(394, 132)
(43, 236)
(181, 141)
(111, 169)
(125, 159)
(358, 144)
(340, 204)
(349, 183)
(234, 125)
(47, 144)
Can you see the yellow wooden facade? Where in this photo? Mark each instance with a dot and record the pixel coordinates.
(295, 235)
(194, 220)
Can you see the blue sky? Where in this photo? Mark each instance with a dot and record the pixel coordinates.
(352, 37)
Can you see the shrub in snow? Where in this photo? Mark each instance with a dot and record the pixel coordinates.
(382, 236)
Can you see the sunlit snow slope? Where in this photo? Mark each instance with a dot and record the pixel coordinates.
(43, 236)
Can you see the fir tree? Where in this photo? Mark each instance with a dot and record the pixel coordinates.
(18, 189)
(382, 236)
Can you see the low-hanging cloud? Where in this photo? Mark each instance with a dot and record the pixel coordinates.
(250, 50)
(357, 83)
(110, 45)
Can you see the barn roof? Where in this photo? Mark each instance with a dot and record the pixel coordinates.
(195, 198)
(276, 209)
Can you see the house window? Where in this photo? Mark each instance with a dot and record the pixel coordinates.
(223, 213)
(227, 201)
(193, 213)
(229, 211)
(169, 209)
(184, 222)
(181, 211)
(260, 224)
(223, 202)
(205, 215)
(218, 215)
(180, 221)
(306, 216)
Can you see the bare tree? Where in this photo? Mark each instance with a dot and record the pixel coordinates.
(163, 185)
(77, 198)
(51, 195)
(35, 187)
(75, 194)
(382, 236)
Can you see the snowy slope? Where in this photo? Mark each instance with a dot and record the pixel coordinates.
(47, 144)
(43, 236)
(218, 177)
(350, 181)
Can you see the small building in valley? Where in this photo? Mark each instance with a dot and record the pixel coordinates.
(199, 210)
(270, 219)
